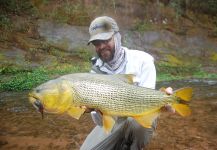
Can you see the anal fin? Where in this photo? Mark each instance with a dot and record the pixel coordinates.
(147, 119)
(108, 123)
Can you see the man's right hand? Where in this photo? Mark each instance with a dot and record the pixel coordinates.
(168, 107)
(87, 110)
(96, 115)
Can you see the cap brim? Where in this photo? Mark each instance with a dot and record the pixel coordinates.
(101, 36)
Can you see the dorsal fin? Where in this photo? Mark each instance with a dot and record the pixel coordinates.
(128, 78)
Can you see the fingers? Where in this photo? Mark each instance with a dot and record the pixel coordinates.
(169, 109)
(169, 91)
(98, 111)
(83, 107)
(97, 118)
(88, 110)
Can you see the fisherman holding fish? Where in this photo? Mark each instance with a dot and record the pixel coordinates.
(119, 93)
(113, 58)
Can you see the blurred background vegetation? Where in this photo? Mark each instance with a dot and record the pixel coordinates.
(81, 12)
(19, 21)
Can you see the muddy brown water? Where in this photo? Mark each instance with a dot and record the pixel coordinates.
(22, 128)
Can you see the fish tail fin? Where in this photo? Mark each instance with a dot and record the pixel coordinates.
(184, 95)
(182, 109)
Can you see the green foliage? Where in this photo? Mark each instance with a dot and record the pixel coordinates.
(214, 31)
(168, 77)
(84, 54)
(19, 80)
(5, 22)
(202, 6)
(166, 72)
(142, 26)
(69, 12)
(25, 80)
(4, 70)
(179, 7)
(178, 70)
(16, 6)
(203, 74)
(214, 56)
(68, 68)
(16, 79)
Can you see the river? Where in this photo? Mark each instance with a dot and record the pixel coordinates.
(22, 128)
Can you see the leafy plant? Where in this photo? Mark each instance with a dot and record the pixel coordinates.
(25, 80)
(167, 72)
(16, 6)
(84, 54)
(177, 5)
(5, 70)
(28, 79)
(142, 26)
(177, 69)
(69, 12)
(5, 22)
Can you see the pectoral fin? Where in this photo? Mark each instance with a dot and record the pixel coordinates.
(75, 112)
(108, 123)
(147, 120)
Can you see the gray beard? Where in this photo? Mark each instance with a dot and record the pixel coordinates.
(119, 55)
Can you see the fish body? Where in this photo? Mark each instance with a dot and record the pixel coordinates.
(113, 95)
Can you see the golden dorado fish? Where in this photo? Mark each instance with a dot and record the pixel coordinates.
(113, 95)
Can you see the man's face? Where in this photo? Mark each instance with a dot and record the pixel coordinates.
(105, 49)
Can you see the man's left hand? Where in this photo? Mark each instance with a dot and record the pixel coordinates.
(168, 107)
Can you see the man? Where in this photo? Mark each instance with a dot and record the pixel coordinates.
(116, 59)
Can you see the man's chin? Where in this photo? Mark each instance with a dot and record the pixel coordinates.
(106, 60)
(105, 57)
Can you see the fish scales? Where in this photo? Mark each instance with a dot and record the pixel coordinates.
(118, 96)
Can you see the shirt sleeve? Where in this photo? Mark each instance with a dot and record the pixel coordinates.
(148, 75)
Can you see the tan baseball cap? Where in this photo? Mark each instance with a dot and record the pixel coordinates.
(102, 28)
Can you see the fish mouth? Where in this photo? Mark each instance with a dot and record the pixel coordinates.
(37, 104)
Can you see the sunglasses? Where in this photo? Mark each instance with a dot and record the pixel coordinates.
(98, 42)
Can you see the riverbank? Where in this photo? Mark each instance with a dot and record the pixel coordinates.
(42, 40)
(19, 79)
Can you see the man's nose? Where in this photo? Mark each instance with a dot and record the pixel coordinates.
(101, 45)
